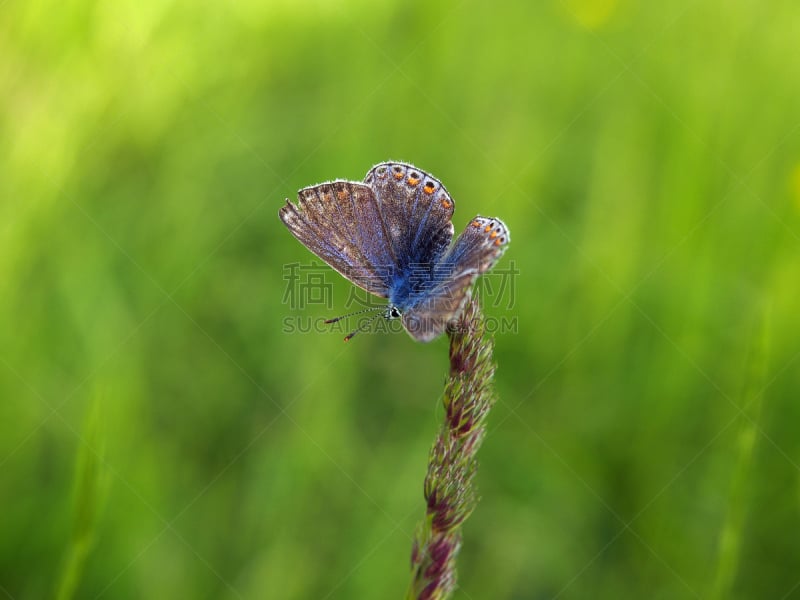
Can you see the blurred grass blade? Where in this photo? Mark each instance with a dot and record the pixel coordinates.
(751, 402)
(89, 492)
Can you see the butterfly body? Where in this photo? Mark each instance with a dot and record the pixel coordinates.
(391, 235)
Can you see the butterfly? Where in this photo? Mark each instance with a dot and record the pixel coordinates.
(391, 235)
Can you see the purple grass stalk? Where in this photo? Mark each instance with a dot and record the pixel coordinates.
(449, 485)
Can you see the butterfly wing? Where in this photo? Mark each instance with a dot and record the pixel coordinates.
(479, 246)
(475, 251)
(416, 209)
(430, 316)
(342, 223)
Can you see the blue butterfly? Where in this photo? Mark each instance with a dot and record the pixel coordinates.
(391, 236)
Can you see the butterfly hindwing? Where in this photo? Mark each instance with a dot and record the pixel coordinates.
(431, 315)
(475, 251)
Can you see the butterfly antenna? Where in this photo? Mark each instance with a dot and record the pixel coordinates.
(360, 328)
(358, 312)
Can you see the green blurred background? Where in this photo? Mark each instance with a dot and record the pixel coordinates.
(161, 436)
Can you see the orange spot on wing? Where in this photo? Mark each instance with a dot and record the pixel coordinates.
(412, 181)
(446, 203)
(476, 224)
(398, 174)
(428, 189)
(341, 194)
(498, 242)
(488, 227)
(493, 234)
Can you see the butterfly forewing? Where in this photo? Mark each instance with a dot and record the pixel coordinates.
(341, 223)
(416, 209)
